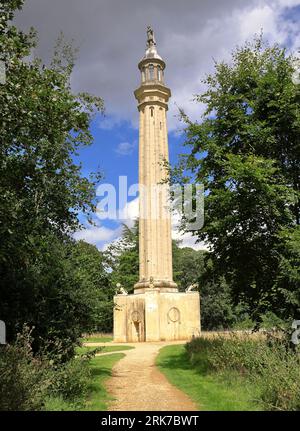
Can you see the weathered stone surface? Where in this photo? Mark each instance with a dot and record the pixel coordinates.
(156, 316)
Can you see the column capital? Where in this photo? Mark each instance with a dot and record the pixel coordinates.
(152, 90)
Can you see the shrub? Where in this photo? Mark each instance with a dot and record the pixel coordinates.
(70, 380)
(280, 379)
(269, 362)
(56, 404)
(23, 378)
(228, 353)
(38, 382)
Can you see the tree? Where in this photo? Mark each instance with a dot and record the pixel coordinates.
(41, 188)
(122, 258)
(64, 293)
(218, 311)
(88, 264)
(246, 152)
(188, 266)
(288, 279)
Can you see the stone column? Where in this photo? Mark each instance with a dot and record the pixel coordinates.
(155, 243)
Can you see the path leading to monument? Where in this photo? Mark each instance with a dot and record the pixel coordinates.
(138, 385)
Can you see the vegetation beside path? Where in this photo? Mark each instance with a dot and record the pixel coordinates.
(103, 349)
(209, 390)
(97, 339)
(96, 394)
(101, 368)
(234, 373)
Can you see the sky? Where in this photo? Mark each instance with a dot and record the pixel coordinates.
(111, 38)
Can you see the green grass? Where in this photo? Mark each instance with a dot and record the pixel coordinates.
(98, 397)
(210, 391)
(58, 404)
(101, 367)
(97, 339)
(105, 349)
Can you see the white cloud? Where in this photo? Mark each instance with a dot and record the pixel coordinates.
(262, 17)
(188, 240)
(109, 122)
(190, 34)
(288, 3)
(125, 148)
(111, 39)
(95, 235)
(103, 236)
(190, 62)
(130, 212)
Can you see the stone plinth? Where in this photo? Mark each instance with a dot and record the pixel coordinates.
(156, 316)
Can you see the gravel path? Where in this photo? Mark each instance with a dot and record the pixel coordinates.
(138, 385)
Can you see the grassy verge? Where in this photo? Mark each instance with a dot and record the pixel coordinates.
(95, 339)
(97, 396)
(105, 349)
(227, 391)
(101, 367)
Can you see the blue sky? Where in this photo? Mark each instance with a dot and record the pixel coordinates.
(111, 37)
(115, 153)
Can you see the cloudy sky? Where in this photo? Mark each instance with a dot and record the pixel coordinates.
(111, 37)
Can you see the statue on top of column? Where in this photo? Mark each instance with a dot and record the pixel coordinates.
(150, 37)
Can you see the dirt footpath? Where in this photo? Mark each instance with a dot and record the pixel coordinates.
(138, 385)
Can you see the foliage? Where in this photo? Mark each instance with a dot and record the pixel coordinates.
(96, 398)
(246, 152)
(101, 370)
(89, 265)
(71, 380)
(217, 310)
(42, 277)
(59, 404)
(22, 377)
(67, 301)
(209, 390)
(288, 278)
(266, 361)
(122, 258)
(33, 382)
(97, 338)
(188, 265)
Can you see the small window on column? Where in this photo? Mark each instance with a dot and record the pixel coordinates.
(151, 111)
(159, 75)
(151, 72)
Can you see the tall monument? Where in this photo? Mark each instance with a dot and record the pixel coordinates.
(155, 243)
(156, 311)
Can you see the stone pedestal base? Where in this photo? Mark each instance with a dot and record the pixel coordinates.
(156, 316)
